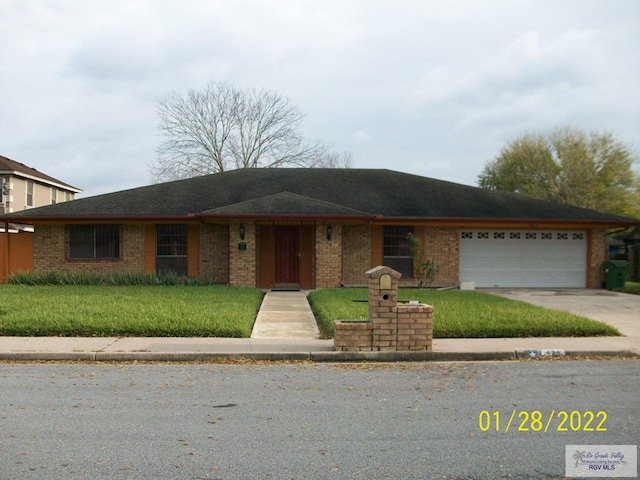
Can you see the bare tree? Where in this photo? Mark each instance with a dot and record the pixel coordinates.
(222, 127)
(334, 160)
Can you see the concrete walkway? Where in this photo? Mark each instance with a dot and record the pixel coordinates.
(285, 315)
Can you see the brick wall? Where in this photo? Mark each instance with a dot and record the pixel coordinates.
(50, 249)
(214, 251)
(242, 263)
(597, 254)
(363, 247)
(442, 246)
(356, 244)
(414, 328)
(328, 256)
(352, 336)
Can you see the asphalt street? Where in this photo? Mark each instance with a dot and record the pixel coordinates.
(312, 421)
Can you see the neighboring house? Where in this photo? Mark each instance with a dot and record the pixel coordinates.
(317, 228)
(24, 187)
(626, 246)
(21, 188)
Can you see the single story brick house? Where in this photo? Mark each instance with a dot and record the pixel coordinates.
(318, 228)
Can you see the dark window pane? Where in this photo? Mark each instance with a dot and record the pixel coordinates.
(171, 240)
(402, 265)
(397, 249)
(81, 238)
(29, 193)
(94, 241)
(171, 249)
(107, 241)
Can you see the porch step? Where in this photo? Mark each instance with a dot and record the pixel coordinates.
(285, 315)
(287, 287)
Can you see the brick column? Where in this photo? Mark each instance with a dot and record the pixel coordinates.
(328, 256)
(242, 255)
(383, 300)
(356, 245)
(597, 254)
(214, 252)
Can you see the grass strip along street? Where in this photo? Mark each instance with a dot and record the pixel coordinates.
(462, 314)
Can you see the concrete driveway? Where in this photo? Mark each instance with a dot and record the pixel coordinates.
(620, 310)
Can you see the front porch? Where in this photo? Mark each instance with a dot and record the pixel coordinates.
(285, 255)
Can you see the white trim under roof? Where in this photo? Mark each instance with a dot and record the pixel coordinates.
(27, 176)
(16, 228)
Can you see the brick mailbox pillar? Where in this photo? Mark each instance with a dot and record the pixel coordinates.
(392, 326)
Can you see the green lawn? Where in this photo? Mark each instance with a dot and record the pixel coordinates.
(630, 287)
(194, 311)
(462, 314)
(222, 311)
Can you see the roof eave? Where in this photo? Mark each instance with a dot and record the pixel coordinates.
(48, 181)
(286, 216)
(534, 222)
(96, 218)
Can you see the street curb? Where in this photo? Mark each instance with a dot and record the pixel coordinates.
(604, 353)
(410, 356)
(317, 357)
(197, 356)
(49, 356)
(550, 353)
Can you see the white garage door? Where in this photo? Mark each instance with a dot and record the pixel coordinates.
(522, 258)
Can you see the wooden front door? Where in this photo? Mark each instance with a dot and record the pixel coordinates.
(287, 254)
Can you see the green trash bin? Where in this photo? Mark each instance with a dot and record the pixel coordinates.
(615, 273)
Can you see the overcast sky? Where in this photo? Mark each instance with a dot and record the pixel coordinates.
(434, 88)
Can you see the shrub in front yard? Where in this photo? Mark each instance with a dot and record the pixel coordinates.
(55, 277)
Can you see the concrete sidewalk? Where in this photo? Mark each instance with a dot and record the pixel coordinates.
(286, 330)
(203, 349)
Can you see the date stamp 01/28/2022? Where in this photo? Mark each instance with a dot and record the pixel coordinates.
(537, 421)
(580, 460)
